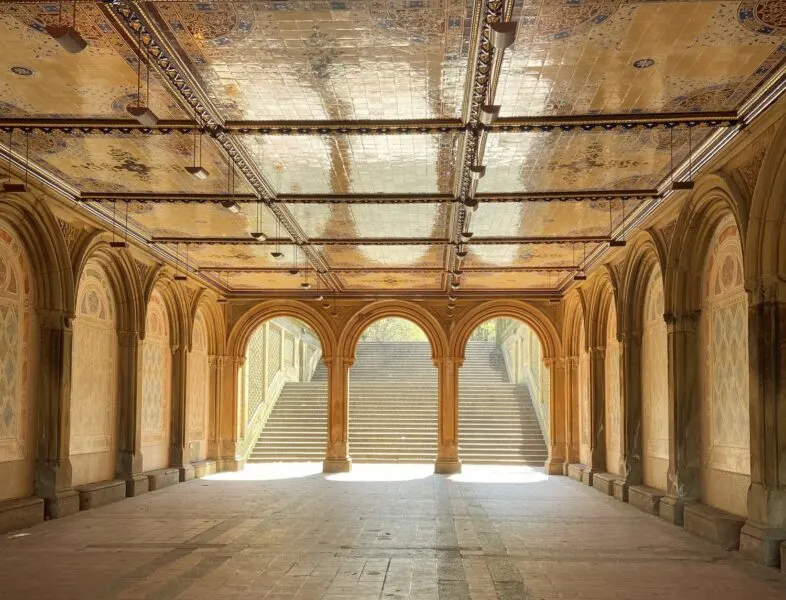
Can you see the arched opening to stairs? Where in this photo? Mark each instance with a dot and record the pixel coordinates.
(503, 401)
(283, 394)
(393, 395)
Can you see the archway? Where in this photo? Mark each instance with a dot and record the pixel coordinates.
(393, 394)
(504, 396)
(283, 394)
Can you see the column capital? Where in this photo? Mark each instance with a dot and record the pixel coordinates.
(687, 322)
(54, 319)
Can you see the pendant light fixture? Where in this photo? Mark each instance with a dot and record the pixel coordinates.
(223, 299)
(277, 254)
(580, 275)
(503, 34)
(67, 35)
(179, 275)
(229, 203)
(143, 114)
(294, 270)
(257, 234)
(489, 113)
(116, 243)
(305, 284)
(16, 186)
(682, 186)
(461, 251)
(319, 297)
(197, 170)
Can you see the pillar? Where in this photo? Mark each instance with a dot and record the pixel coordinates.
(597, 440)
(228, 426)
(447, 419)
(630, 391)
(762, 535)
(215, 398)
(558, 398)
(129, 457)
(572, 425)
(337, 455)
(684, 478)
(53, 466)
(179, 455)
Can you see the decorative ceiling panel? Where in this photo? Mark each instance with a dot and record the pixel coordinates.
(129, 162)
(346, 164)
(624, 56)
(348, 220)
(376, 257)
(264, 281)
(582, 160)
(395, 281)
(207, 256)
(312, 59)
(197, 220)
(38, 78)
(526, 255)
(513, 281)
(554, 219)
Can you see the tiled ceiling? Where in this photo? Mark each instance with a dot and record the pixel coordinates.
(351, 125)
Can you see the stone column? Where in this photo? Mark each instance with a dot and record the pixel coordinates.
(53, 465)
(597, 442)
(179, 455)
(572, 425)
(447, 415)
(630, 391)
(129, 456)
(227, 404)
(337, 456)
(558, 397)
(216, 388)
(762, 535)
(684, 479)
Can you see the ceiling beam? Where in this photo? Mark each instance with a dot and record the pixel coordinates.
(399, 241)
(594, 122)
(493, 269)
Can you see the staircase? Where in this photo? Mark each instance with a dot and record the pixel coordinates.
(393, 411)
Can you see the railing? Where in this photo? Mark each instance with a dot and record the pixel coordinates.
(521, 352)
(279, 352)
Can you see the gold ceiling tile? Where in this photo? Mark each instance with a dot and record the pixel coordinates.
(394, 281)
(304, 60)
(525, 255)
(208, 256)
(131, 162)
(347, 164)
(614, 56)
(350, 220)
(550, 219)
(265, 281)
(38, 78)
(359, 257)
(513, 281)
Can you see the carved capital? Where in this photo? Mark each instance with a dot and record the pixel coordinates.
(54, 319)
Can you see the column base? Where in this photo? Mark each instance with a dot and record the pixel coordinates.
(761, 544)
(672, 510)
(587, 476)
(554, 467)
(337, 465)
(101, 493)
(230, 464)
(65, 503)
(137, 484)
(575, 471)
(186, 472)
(447, 466)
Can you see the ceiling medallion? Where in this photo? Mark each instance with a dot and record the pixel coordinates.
(23, 71)
(644, 63)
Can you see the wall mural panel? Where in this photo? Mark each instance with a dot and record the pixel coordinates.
(198, 391)
(724, 342)
(613, 404)
(655, 385)
(94, 379)
(16, 412)
(156, 385)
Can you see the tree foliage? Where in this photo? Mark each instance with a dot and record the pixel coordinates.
(485, 332)
(393, 329)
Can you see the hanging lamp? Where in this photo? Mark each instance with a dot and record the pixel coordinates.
(229, 203)
(682, 186)
(116, 243)
(503, 34)
(67, 35)
(617, 242)
(16, 186)
(197, 170)
(294, 270)
(143, 114)
(257, 234)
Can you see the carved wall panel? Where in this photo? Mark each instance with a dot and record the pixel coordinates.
(584, 400)
(725, 431)
(655, 385)
(198, 391)
(94, 379)
(255, 365)
(156, 385)
(16, 410)
(612, 396)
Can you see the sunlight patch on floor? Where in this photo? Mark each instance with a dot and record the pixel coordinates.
(270, 472)
(499, 474)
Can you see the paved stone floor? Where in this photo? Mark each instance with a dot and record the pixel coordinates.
(379, 532)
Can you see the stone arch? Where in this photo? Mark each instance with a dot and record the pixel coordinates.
(536, 319)
(645, 254)
(17, 357)
(271, 309)
(602, 296)
(392, 308)
(216, 324)
(714, 198)
(176, 304)
(47, 253)
(765, 250)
